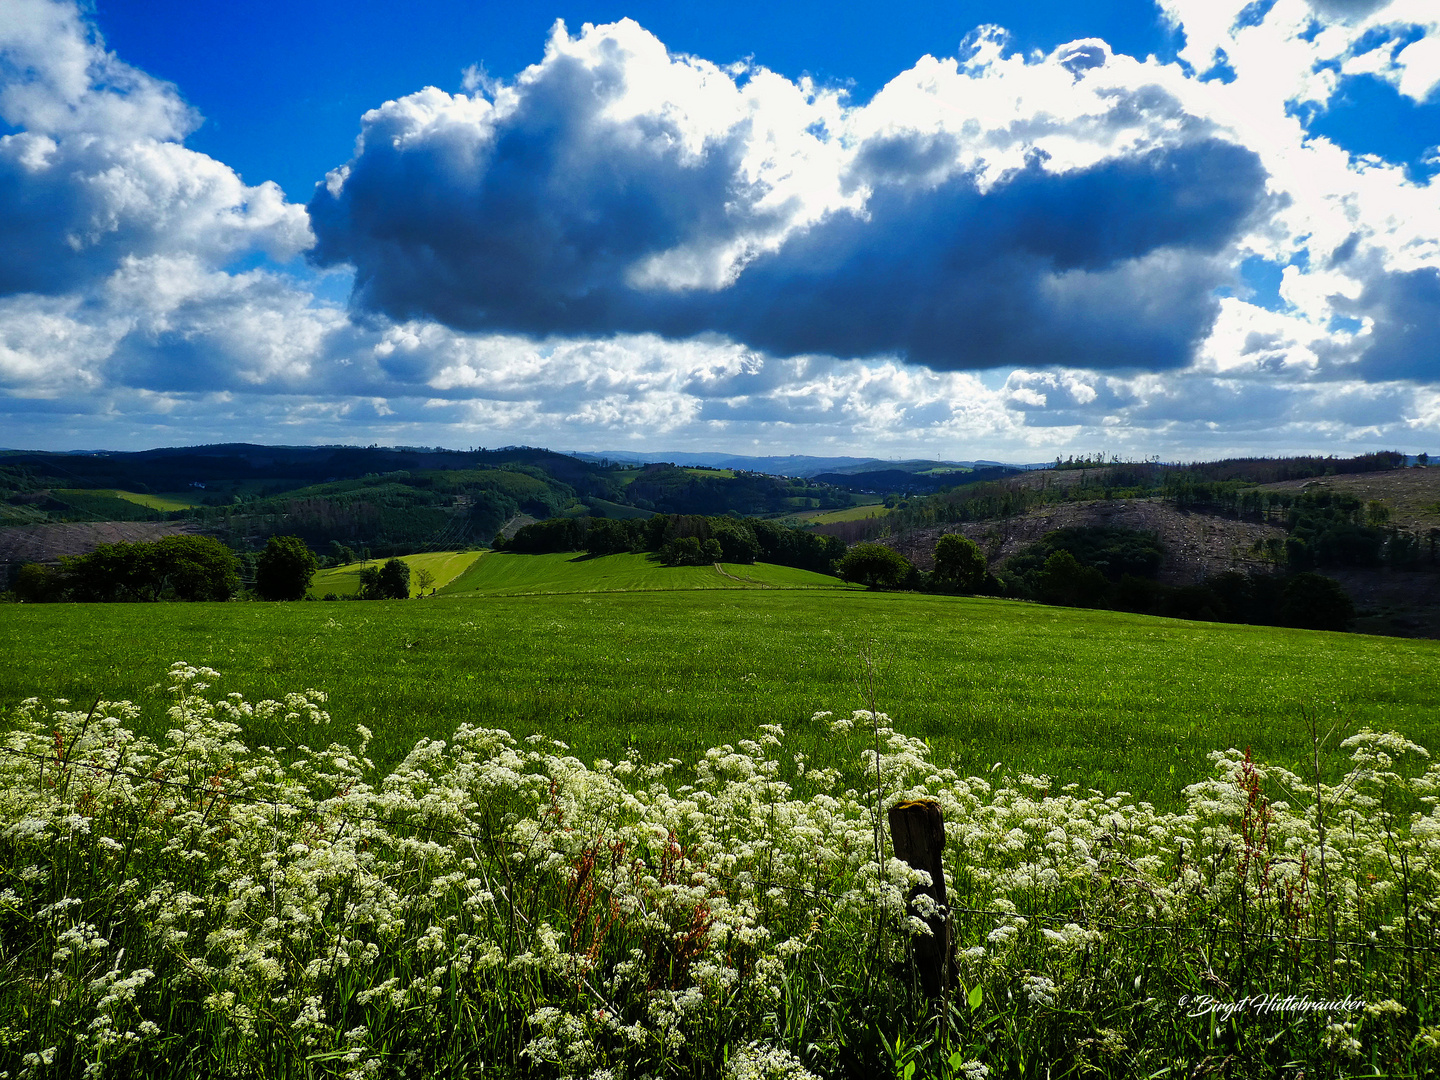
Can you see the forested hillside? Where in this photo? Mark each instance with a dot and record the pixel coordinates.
(384, 500)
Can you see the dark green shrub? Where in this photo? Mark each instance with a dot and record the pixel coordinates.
(959, 563)
(284, 569)
(875, 565)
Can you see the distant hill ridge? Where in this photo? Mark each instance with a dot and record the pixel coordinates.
(802, 465)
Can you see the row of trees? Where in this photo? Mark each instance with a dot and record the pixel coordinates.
(1106, 567)
(172, 568)
(186, 568)
(1223, 487)
(194, 568)
(960, 567)
(682, 539)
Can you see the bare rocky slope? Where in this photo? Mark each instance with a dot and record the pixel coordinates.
(1197, 545)
(1200, 545)
(21, 544)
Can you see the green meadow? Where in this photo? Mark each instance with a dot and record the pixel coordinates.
(506, 574)
(345, 580)
(157, 502)
(474, 880)
(167, 503)
(850, 513)
(1109, 700)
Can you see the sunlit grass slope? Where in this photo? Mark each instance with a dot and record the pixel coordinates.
(165, 503)
(345, 580)
(1112, 700)
(508, 574)
(849, 513)
(154, 502)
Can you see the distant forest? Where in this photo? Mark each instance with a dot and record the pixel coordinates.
(386, 501)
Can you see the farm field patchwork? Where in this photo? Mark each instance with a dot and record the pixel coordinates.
(345, 580)
(1108, 700)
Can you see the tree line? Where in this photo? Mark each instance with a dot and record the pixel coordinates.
(179, 568)
(1096, 567)
(1107, 567)
(1327, 528)
(682, 539)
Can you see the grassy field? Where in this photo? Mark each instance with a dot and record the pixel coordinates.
(505, 574)
(1101, 698)
(345, 580)
(170, 502)
(155, 502)
(849, 513)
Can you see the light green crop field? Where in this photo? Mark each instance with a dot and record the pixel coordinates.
(154, 502)
(1109, 700)
(850, 513)
(345, 580)
(502, 573)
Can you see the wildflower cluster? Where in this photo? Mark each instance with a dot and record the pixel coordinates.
(195, 905)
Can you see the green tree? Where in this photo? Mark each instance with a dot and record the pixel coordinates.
(37, 584)
(284, 569)
(394, 580)
(1065, 582)
(875, 565)
(959, 563)
(425, 579)
(1316, 602)
(370, 583)
(683, 551)
(737, 542)
(194, 568)
(172, 568)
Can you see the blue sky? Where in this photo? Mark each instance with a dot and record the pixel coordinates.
(1185, 227)
(284, 105)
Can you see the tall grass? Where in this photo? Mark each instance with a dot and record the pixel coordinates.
(1106, 699)
(193, 906)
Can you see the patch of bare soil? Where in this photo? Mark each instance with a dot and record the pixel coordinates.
(1197, 545)
(514, 525)
(1413, 495)
(1039, 479)
(21, 544)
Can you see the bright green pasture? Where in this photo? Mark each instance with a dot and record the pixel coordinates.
(849, 513)
(705, 470)
(1102, 698)
(345, 580)
(155, 502)
(502, 573)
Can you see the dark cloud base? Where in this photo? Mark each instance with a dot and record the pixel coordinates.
(536, 222)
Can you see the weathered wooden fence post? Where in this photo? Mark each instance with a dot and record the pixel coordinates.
(917, 831)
